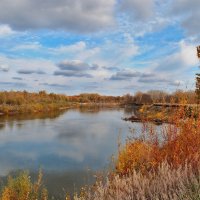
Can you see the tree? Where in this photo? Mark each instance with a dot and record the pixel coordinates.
(146, 99)
(198, 79)
(198, 87)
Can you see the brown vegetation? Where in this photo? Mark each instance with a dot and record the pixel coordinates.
(164, 184)
(158, 96)
(25, 102)
(175, 143)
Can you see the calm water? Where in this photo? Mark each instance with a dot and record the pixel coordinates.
(68, 146)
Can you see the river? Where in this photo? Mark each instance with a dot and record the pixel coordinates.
(68, 146)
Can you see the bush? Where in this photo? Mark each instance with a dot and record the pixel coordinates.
(21, 188)
(175, 143)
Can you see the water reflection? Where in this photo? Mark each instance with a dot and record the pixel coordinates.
(63, 144)
(96, 108)
(30, 116)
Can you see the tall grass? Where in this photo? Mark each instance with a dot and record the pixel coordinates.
(166, 183)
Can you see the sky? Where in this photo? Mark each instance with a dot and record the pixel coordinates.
(111, 47)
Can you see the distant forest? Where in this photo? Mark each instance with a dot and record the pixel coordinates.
(42, 97)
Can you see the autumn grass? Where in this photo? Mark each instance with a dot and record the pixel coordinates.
(166, 183)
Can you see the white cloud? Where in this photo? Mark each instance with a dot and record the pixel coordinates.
(5, 30)
(111, 53)
(108, 53)
(72, 48)
(184, 59)
(4, 67)
(28, 46)
(188, 54)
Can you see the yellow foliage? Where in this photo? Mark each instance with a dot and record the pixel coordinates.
(21, 188)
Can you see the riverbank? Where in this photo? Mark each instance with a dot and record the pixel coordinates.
(33, 108)
(12, 102)
(159, 114)
(45, 108)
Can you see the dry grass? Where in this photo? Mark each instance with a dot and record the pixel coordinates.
(166, 183)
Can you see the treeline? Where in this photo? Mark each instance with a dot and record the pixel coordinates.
(94, 98)
(25, 102)
(152, 96)
(158, 96)
(12, 102)
(21, 98)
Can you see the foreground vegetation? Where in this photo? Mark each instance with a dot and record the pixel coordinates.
(21, 188)
(165, 183)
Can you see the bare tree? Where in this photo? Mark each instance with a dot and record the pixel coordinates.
(198, 79)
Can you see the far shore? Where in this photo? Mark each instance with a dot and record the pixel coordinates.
(22, 109)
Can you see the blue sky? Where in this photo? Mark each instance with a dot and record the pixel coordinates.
(111, 47)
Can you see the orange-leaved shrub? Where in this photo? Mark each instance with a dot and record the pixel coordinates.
(177, 143)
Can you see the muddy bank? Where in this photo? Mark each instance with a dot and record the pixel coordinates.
(151, 113)
(137, 119)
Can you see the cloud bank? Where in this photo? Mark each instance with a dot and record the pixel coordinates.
(74, 15)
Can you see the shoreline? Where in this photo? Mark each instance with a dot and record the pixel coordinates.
(139, 120)
(28, 108)
(160, 113)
